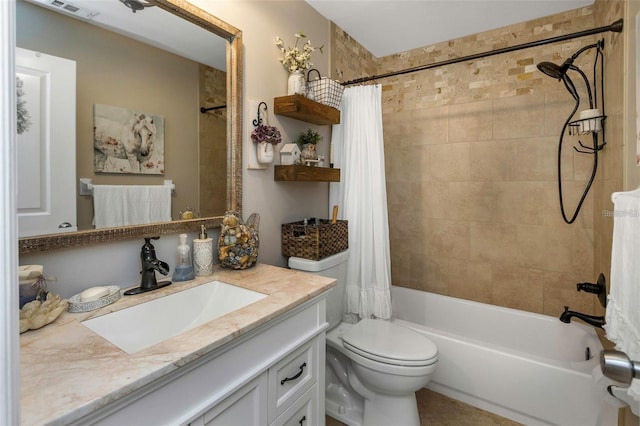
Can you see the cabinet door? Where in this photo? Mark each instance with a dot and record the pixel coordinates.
(245, 407)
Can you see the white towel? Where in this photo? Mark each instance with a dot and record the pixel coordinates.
(123, 205)
(623, 306)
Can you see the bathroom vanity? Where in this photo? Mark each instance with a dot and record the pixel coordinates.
(260, 364)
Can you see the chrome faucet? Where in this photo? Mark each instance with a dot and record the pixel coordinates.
(589, 319)
(150, 264)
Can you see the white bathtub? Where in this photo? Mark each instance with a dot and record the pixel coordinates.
(527, 367)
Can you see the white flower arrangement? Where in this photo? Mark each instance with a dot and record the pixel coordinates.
(294, 57)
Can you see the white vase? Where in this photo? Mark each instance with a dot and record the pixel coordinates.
(264, 152)
(296, 83)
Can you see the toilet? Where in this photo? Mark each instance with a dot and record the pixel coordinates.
(374, 367)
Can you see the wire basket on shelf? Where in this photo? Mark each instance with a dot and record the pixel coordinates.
(324, 90)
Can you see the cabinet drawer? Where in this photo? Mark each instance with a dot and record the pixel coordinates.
(291, 377)
(246, 406)
(303, 412)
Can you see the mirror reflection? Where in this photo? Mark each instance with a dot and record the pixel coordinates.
(156, 90)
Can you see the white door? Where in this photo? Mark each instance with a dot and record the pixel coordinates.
(46, 143)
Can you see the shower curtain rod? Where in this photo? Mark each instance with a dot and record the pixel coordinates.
(616, 27)
(204, 110)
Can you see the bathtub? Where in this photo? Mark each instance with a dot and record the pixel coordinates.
(527, 367)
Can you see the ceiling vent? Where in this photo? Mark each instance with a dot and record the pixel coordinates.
(69, 8)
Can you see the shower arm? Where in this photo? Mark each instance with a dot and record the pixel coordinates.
(599, 44)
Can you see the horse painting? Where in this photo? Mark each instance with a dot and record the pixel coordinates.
(126, 146)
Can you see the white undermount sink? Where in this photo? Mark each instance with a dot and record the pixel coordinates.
(138, 327)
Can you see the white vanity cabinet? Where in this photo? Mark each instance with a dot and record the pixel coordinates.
(272, 375)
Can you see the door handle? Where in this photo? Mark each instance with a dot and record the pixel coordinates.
(617, 366)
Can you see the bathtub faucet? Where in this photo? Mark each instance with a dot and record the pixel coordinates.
(589, 319)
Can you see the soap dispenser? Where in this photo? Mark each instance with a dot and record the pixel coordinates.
(184, 267)
(203, 253)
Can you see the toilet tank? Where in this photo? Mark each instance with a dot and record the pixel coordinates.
(333, 267)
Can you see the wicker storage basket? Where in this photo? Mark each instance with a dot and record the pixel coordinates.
(324, 90)
(314, 242)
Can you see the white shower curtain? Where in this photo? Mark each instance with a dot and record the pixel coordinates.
(358, 150)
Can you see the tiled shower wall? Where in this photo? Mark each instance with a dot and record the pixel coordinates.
(611, 178)
(213, 147)
(470, 154)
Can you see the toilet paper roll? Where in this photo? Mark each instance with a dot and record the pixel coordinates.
(590, 113)
(602, 382)
(591, 120)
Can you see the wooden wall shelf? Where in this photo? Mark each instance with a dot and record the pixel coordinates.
(306, 174)
(302, 108)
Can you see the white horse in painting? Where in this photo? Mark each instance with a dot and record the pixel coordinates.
(138, 138)
(133, 141)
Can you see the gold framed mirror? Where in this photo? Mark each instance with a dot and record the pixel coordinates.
(233, 185)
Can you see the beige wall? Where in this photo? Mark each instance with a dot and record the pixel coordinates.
(470, 152)
(461, 115)
(101, 58)
(264, 79)
(277, 202)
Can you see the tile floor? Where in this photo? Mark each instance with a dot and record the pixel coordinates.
(438, 410)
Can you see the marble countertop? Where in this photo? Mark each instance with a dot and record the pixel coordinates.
(67, 371)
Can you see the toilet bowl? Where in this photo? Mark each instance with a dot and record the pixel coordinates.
(374, 367)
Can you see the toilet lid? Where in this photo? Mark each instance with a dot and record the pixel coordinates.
(390, 343)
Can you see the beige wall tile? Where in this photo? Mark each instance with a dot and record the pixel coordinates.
(447, 238)
(516, 287)
(435, 277)
(518, 117)
(546, 248)
(494, 242)
(560, 290)
(435, 199)
(470, 122)
(448, 162)
(519, 202)
(398, 130)
(403, 165)
(557, 107)
(430, 125)
(400, 264)
(470, 280)
(493, 161)
(470, 201)
(537, 159)
(582, 253)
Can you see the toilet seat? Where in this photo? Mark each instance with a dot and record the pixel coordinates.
(389, 343)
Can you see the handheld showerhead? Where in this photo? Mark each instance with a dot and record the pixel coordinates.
(555, 71)
(551, 69)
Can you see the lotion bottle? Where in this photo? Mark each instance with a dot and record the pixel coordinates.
(184, 267)
(203, 253)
